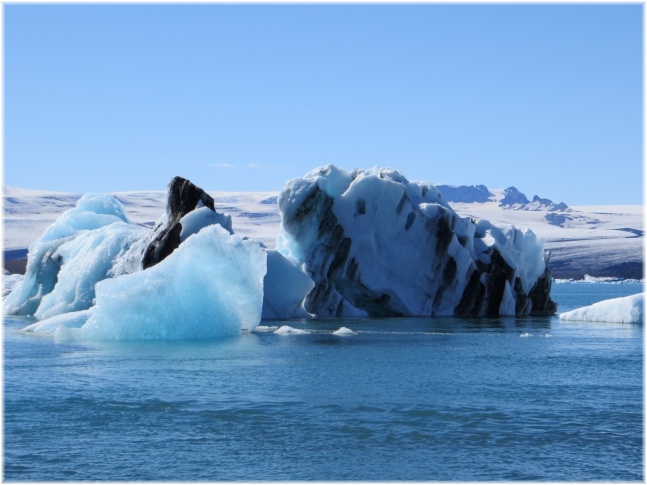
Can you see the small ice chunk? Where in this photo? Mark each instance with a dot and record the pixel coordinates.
(202, 217)
(65, 320)
(344, 332)
(287, 330)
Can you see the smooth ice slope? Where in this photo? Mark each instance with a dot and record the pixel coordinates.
(85, 245)
(628, 309)
(376, 244)
(285, 288)
(210, 286)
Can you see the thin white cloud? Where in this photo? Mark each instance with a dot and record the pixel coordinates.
(223, 165)
(267, 167)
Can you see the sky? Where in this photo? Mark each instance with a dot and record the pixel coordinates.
(241, 97)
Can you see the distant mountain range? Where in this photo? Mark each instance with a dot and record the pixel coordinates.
(512, 198)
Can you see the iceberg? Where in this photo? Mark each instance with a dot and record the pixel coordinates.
(376, 244)
(85, 245)
(93, 274)
(627, 309)
(210, 286)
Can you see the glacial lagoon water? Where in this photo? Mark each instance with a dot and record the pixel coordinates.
(401, 399)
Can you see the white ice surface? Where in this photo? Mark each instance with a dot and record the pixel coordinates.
(287, 330)
(203, 217)
(628, 309)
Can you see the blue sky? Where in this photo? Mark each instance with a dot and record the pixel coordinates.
(105, 98)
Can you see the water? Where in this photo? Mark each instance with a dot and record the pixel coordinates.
(404, 399)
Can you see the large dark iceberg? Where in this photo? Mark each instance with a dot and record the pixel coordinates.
(376, 244)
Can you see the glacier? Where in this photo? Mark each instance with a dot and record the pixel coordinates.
(376, 244)
(627, 309)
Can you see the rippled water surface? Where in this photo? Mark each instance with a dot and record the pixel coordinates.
(420, 399)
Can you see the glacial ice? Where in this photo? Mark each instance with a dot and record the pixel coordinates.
(10, 282)
(344, 332)
(285, 288)
(59, 325)
(376, 244)
(627, 309)
(210, 286)
(203, 217)
(84, 278)
(83, 246)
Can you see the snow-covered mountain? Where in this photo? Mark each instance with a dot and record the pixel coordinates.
(594, 240)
